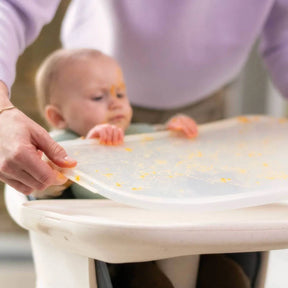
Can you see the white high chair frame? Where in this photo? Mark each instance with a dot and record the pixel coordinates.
(67, 235)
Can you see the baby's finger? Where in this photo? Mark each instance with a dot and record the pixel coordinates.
(114, 138)
(190, 131)
(175, 124)
(120, 136)
(93, 134)
(109, 135)
(103, 137)
(190, 127)
(186, 131)
(193, 131)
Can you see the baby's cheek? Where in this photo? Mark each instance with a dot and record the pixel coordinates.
(130, 113)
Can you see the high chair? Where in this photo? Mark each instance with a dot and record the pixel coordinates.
(66, 235)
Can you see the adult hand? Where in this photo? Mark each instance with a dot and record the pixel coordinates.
(21, 139)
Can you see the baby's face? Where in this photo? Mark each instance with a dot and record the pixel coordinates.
(92, 92)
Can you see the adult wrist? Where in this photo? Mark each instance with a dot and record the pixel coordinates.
(4, 96)
(2, 109)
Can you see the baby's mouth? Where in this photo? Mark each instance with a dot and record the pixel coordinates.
(116, 118)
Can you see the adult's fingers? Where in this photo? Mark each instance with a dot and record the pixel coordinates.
(20, 162)
(24, 177)
(42, 173)
(54, 151)
(28, 168)
(17, 185)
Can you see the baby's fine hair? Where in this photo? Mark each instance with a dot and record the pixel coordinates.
(48, 72)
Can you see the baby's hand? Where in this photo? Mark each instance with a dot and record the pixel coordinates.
(107, 134)
(183, 123)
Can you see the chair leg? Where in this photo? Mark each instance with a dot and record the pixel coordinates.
(56, 267)
(92, 273)
(261, 277)
(182, 271)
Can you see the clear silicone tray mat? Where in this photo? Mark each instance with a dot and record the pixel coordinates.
(233, 163)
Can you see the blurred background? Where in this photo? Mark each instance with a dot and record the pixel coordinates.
(251, 93)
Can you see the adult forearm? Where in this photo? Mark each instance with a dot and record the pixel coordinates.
(20, 23)
(274, 45)
(4, 96)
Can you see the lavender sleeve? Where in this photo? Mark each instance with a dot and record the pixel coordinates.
(20, 23)
(274, 45)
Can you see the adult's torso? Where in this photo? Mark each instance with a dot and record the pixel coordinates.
(173, 53)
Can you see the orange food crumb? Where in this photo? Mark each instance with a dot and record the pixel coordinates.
(179, 174)
(225, 180)
(161, 162)
(77, 178)
(108, 175)
(147, 138)
(270, 177)
(128, 149)
(252, 154)
(243, 119)
(137, 188)
(199, 154)
(113, 90)
(60, 176)
(119, 74)
(144, 175)
(122, 86)
(282, 120)
(118, 184)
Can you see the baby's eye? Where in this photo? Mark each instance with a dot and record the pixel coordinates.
(97, 98)
(120, 95)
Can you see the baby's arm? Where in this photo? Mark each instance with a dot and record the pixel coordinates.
(184, 124)
(107, 134)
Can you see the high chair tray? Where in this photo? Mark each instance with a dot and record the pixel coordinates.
(233, 163)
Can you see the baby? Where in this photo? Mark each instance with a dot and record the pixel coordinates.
(82, 93)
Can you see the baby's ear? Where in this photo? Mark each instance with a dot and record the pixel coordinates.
(54, 117)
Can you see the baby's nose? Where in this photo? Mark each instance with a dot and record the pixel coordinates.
(114, 102)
